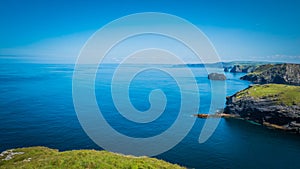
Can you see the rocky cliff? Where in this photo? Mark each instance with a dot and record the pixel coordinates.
(272, 105)
(278, 73)
(242, 68)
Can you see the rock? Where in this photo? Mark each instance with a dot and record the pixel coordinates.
(216, 76)
(217, 115)
(9, 154)
(242, 68)
(236, 69)
(227, 69)
(269, 109)
(248, 69)
(27, 160)
(279, 74)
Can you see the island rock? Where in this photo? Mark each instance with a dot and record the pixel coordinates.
(216, 76)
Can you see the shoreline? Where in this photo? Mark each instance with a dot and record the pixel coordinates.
(232, 116)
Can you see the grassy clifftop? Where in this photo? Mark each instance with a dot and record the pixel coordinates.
(272, 105)
(281, 94)
(43, 157)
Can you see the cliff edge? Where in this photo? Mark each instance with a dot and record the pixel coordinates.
(272, 105)
(275, 73)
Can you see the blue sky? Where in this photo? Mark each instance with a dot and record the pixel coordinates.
(240, 30)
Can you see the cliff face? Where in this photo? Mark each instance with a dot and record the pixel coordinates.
(242, 69)
(268, 105)
(280, 74)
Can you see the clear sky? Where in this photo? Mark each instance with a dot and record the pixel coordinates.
(239, 29)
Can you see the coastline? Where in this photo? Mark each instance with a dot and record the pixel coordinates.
(273, 101)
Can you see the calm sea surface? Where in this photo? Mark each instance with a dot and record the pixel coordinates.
(36, 109)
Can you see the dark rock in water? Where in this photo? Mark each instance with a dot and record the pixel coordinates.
(268, 105)
(216, 76)
(279, 74)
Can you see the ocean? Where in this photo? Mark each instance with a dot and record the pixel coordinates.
(36, 109)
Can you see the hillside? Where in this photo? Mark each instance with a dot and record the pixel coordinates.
(273, 105)
(278, 73)
(43, 157)
(242, 66)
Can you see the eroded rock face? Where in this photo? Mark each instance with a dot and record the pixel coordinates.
(227, 69)
(265, 110)
(236, 69)
(280, 74)
(216, 76)
(242, 69)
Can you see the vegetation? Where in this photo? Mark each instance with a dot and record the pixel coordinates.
(262, 68)
(46, 158)
(245, 63)
(281, 94)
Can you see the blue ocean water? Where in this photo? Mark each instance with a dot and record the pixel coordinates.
(36, 109)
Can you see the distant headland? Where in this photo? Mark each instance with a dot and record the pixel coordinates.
(275, 100)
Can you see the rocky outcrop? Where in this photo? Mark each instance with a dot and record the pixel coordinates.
(266, 109)
(216, 76)
(236, 69)
(279, 74)
(242, 69)
(227, 69)
(9, 154)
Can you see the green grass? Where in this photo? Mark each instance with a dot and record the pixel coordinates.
(46, 158)
(282, 94)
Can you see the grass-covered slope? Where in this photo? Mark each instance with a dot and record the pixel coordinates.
(43, 157)
(279, 93)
